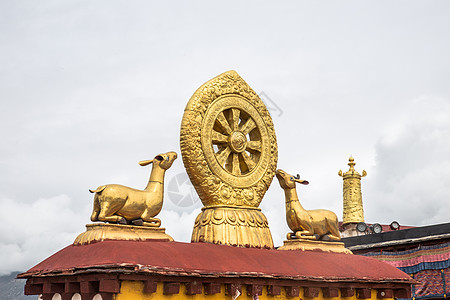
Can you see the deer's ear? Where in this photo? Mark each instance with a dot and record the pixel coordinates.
(145, 162)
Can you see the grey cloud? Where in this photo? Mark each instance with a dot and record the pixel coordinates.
(412, 165)
(33, 231)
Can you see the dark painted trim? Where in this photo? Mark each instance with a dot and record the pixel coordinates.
(109, 284)
(330, 292)
(171, 288)
(194, 287)
(412, 233)
(212, 288)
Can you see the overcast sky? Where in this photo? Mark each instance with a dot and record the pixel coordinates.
(89, 88)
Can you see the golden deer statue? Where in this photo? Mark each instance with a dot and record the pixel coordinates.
(318, 224)
(121, 204)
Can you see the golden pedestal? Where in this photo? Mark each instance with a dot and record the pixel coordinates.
(98, 232)
(235, 226)
(309, 245)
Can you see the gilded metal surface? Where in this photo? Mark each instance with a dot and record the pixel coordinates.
(229, 149)
(353, 206)
(100, 232)
(235, 226)
(121, 204)
(306, 224)
(306, 244)
(228, 143)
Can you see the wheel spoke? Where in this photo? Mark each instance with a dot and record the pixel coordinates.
(248, 126)
(218, 138)
(223, 155)
(236, 115)
(253, 146)
(248, 161)
(236, 170)
(224, 123)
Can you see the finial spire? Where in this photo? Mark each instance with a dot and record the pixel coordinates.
(351, 163)
(353, 206)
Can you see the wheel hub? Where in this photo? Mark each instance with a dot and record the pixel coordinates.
(238, 142)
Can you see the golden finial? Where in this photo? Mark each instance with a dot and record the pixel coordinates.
(353, 206)
(351, 163)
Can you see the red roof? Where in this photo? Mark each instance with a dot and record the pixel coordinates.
(202, 259)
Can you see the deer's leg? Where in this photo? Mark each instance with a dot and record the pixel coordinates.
(305, 235)
(330, 237)
(107, 213)
(334, 231)
(150, 221)
(307, 232)
(112, 219)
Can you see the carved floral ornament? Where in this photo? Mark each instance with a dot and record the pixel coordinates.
(231, 217)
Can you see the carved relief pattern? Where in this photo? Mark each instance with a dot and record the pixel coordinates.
(233, 226)
(245, 177)
(353, 207)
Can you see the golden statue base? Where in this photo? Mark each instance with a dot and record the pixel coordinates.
(310, 245)
(98, 232)
(234, 226)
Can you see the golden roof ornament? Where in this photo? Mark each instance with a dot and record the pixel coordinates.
(315, 229)
(353, 206)
(132, 211)
(314, 224)
(230, 153)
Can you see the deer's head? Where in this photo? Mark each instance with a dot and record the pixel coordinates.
(288, 181)
(164, 161)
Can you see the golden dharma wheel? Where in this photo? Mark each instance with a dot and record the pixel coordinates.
(235, 140)
(228, 143)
